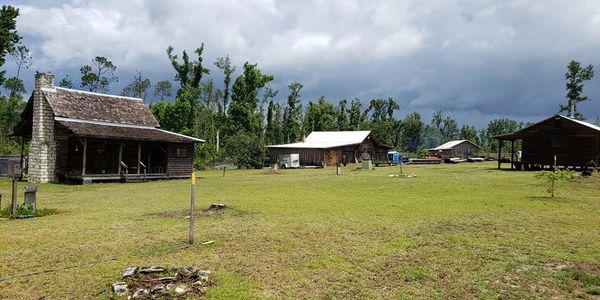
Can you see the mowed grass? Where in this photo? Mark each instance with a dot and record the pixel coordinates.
(454, 231)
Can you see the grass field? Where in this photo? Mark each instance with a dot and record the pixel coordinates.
(454, 231)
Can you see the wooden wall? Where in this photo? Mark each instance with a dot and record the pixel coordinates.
(331, 156)
(179, 164)
(572, 143)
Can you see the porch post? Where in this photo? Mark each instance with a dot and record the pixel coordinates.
(120, 156)
(22, 160)
(499, 152)
(139, 157)
(512, 154)
(84, 156)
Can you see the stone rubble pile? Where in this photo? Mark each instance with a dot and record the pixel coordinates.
(161, 283)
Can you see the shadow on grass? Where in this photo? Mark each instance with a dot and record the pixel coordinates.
(201, 213)
(546, 198)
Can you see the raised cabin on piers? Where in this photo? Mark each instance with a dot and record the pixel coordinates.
(574, 144)
(330, 148)
(78, 136)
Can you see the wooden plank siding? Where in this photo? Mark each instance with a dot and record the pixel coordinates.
(574, 144)
(180, 159)
(331, 156)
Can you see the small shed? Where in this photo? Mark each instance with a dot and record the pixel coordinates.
(574, 143)
(458, 148)
(330, 148)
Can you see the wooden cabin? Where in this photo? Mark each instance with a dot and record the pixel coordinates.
(459, 148)
(84, 137)
(330, 148)
(575, 143)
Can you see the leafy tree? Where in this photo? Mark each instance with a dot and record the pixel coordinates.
(357, 117)
(138, 88)
(343, 116)
(576, 76)
(292, 118)
(10, 115)
(274, 129)
(469, 133)
(188, 73)
(484, 139)
(382, 122)
(437, 119)
(412, 131)
(244, 101)
(15, 87)
(498, 127)
(245, 150)
(320, 116)
(8, 34)
(66, 82)
(449, 130)
(224, 64)
(98, 76)
(162, 89)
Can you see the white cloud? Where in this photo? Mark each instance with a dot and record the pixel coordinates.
(483, 56)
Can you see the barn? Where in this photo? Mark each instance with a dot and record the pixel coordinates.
(79, 136)
(574, 143)
(459, 148)
(330, 148)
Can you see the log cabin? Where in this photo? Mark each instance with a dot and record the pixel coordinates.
(79, 136)
(574, 143)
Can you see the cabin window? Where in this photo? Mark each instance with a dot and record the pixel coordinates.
(181, 152)
(558, 141)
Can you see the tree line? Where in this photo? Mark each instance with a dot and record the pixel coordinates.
(242, 114)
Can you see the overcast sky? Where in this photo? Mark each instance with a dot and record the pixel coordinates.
(474, 60)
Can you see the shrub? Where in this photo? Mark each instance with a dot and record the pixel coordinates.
(245, 150)
(554, 178)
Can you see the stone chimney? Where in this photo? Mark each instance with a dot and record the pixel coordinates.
(42, 149)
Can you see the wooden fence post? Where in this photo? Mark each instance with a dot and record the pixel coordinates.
(192, 209)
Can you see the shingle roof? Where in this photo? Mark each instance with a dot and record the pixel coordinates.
(328, 139)
(81, 105)
(451, 144)
(105, 130)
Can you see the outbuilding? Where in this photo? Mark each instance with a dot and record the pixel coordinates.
(572, 142)
(458, 148)
(83, 137)
(330, 148)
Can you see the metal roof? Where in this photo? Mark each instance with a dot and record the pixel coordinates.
(328, 139)
(520, 133)
(449, 145)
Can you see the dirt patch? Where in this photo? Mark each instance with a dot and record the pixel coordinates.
(273, 172)
(214, 209)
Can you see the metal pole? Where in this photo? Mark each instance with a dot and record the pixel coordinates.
(192, 210)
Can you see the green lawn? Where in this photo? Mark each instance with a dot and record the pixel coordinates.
(454, 231)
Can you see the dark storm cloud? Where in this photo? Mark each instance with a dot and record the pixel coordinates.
(475, 60)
